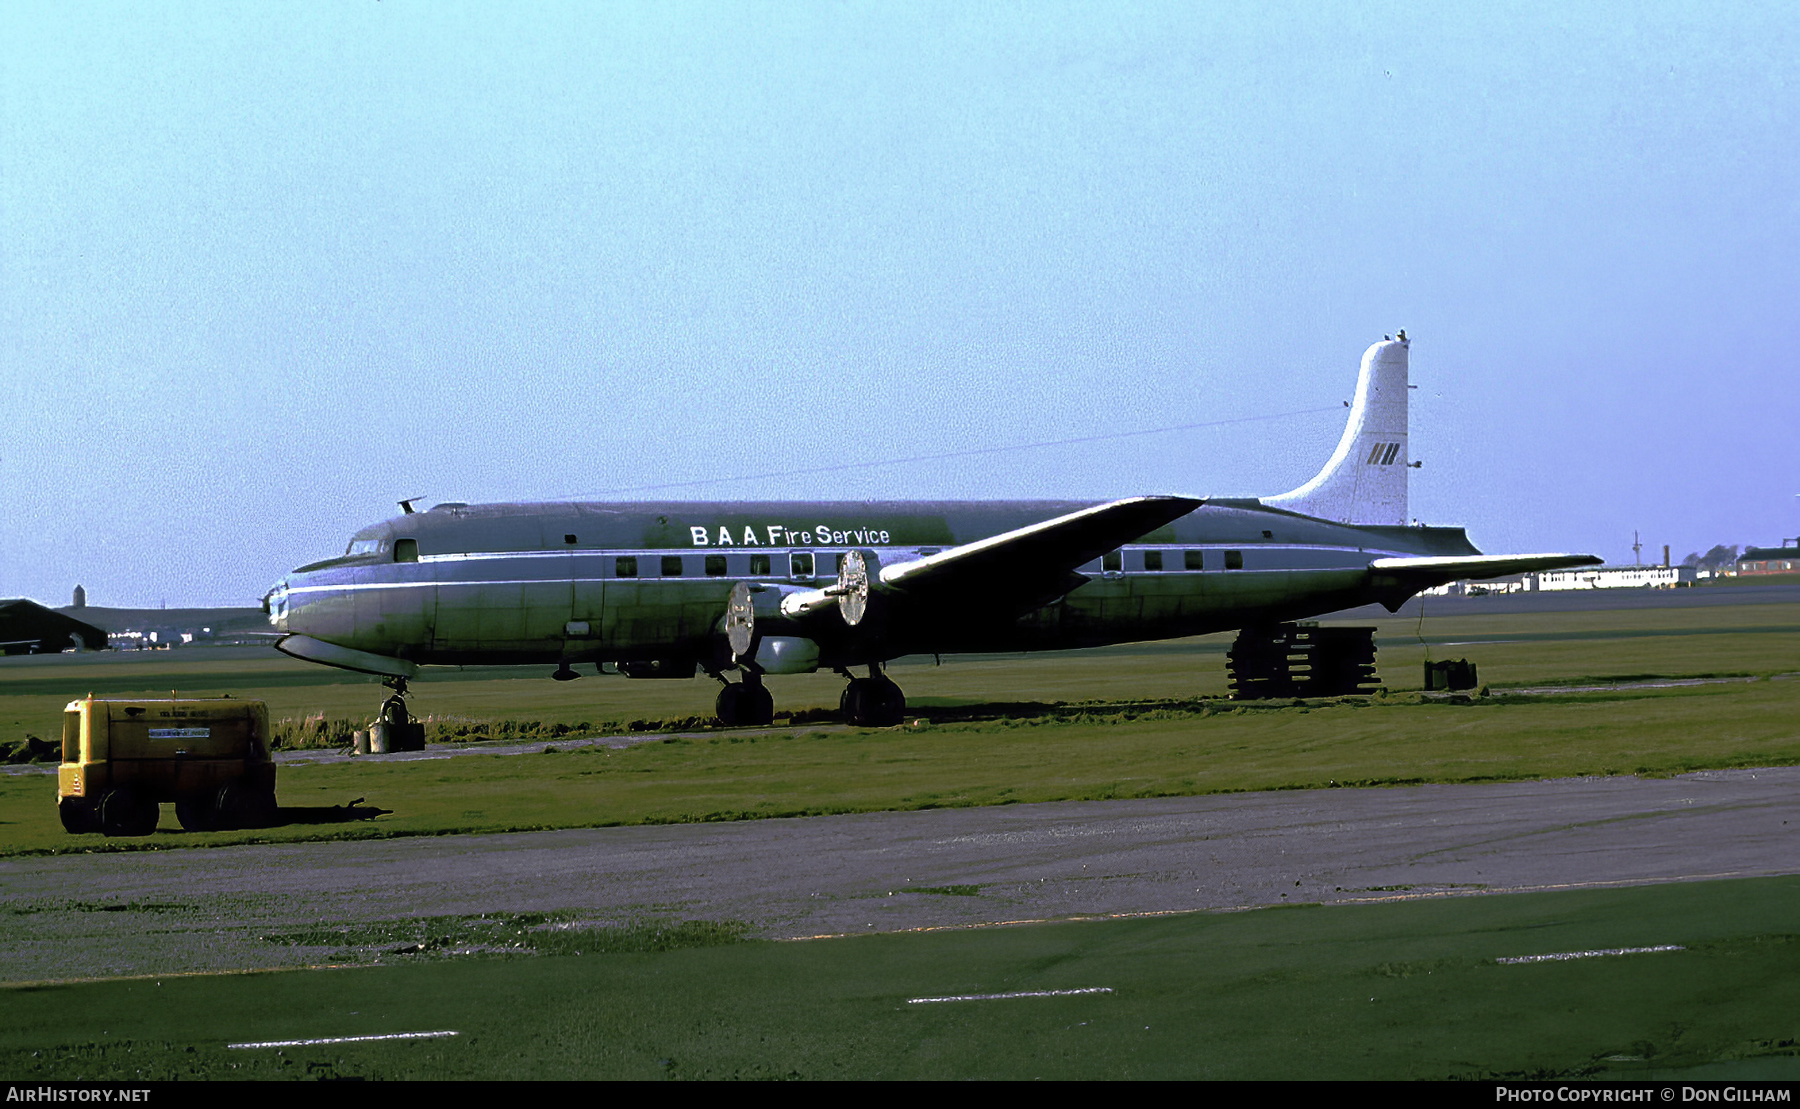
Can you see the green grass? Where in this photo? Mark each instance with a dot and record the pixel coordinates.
(1101, 754)
(1407, 990)
(1515, 650)
(1121, 722)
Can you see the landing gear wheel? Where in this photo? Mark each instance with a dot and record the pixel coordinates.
(77, 815)
(729, 708)
(759, 704)
(745, 703)
(873, 703)
(124, 813)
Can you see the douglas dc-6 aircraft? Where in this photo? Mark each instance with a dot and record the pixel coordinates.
(673, 589)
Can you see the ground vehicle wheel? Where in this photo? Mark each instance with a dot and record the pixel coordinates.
(241, 805)
(195, 816)
(260, 808)
(123, 813)
(77, 815)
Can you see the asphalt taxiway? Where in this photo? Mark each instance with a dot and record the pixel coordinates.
(79, 916)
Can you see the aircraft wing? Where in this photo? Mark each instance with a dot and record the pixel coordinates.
(1009, 574)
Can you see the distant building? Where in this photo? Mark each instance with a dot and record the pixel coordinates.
(1588, 577)
(1617, 577)
(1770, 560)
(80, 598)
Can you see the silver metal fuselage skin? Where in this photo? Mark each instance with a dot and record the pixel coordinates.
(536, 583)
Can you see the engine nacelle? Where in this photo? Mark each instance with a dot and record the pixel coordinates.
(787, 654)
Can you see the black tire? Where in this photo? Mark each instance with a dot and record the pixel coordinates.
(851, 704)
(77, 815)
(123, 813)
(262, 810)
(887, 704)
(730, 706)
(196, 816)
(873, 703)
(241, 805)
(758, 705)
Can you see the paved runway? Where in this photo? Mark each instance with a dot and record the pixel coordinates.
(208, 909)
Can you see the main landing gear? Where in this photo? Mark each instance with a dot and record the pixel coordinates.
(745, 702)
(872, 702)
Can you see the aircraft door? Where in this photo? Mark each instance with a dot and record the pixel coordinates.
(587, 606)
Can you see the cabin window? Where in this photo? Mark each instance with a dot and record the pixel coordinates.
(671, 566)
(759, 565)
(715, 566)
(568, 539)
(625, 567)
(406, 550)
(1194, 560)
(800, 564)
(1112, 562)
(1234, 560)
(1152, 560)
(1268, 535)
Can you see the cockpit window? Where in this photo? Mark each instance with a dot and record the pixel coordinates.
(363, 546)
(406, 550)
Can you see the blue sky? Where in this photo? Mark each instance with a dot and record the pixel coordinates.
(266, 269)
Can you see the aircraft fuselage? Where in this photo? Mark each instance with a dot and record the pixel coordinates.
(600, 583)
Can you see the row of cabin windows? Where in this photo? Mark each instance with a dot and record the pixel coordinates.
(800, 564)
(1114, 561)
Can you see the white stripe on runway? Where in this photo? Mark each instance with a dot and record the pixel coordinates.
(1562, 956)
(350, 1039)
(1002, 996)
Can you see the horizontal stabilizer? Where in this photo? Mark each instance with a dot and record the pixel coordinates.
(317, 650)
(1478, 567)
(1395, 580)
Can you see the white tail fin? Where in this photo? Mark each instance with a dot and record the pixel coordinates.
(1365, 481)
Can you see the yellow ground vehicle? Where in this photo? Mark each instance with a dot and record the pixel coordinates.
(122, 758)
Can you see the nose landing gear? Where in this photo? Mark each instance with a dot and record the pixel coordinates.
(873, 702)
(399, 731)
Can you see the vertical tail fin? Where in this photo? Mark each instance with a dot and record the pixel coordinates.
(1365, 480)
